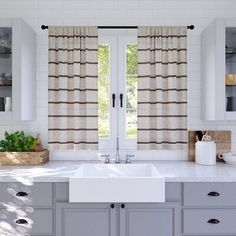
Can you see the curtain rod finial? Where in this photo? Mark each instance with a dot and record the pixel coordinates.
(191, 27)
(43, 27)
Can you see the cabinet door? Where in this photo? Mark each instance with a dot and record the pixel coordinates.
(85, 219)
(213, 71)
(23, 71)
(148, 220)
(17, 70)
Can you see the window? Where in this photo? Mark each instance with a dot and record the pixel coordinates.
(104, 91)
(117, 88)
(131, 91)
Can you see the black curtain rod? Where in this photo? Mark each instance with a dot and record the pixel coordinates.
(191, 27)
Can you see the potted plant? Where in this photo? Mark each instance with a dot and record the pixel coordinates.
(20, 149)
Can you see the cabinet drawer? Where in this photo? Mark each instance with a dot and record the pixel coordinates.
(209, 221)
(26, 221)
(209, 194)
(38, 194)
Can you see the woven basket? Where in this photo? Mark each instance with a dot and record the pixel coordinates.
(24, 158)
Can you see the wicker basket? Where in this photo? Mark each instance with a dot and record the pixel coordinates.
(24, 158)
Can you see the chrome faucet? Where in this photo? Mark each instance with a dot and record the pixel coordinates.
(128, 158)
(117, 150)
(106, 158)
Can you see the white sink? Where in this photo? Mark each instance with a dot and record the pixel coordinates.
(117, 183)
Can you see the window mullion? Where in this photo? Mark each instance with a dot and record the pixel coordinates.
(121, 88)
(113, 89)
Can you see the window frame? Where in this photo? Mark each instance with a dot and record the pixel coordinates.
(117, 40)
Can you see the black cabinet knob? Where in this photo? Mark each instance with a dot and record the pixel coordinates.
(213, 194)
(112, 205)
(21, 222)
(213, 221)
(21, 194)
(122, 205)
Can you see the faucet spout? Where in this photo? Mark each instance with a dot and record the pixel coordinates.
(117, 150)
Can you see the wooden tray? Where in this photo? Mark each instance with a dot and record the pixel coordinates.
(24, 158)
(221, 138)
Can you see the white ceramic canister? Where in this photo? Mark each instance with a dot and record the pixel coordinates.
(205, 152)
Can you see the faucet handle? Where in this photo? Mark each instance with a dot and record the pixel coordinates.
(106, 158)
(128, 158)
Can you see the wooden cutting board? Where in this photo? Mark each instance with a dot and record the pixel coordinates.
(221, 138)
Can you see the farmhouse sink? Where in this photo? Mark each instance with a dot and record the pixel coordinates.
(117, 183)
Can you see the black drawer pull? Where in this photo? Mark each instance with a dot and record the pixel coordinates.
(112, 205)
(122, 205)
(213, 194)
(213, 221)
(21, 194)
(21, 222)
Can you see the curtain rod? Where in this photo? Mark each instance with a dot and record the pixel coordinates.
(191, 27)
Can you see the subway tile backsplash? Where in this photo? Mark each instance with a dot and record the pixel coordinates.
(118, 12)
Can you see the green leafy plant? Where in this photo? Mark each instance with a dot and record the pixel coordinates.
(17, 142)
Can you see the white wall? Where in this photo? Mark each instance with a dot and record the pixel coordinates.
(119, 12)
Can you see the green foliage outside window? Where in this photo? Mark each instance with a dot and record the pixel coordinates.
(103, 91)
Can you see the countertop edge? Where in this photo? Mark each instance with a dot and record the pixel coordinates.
(67, 179)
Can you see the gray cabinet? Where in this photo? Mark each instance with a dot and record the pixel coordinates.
(126, 219)
(150, 220)
(26, 208)
(74, 219)
(190, 209)
(209, 209)
(117, 219)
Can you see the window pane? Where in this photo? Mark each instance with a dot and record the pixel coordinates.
(131, 59)
(131, 91)
(103, 123)
(103, 91)
(131, 123)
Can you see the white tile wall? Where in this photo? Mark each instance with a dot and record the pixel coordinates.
(119, 12)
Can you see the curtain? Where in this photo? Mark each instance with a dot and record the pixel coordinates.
(162, 88)
(73, 88)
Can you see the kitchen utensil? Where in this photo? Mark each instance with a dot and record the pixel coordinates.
(199, 134)
(196, 138)
(206, 137)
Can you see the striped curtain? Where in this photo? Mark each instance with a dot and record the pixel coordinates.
(162, 88)
(73, 88)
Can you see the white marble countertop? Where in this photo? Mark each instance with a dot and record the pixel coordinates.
(173, 171)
